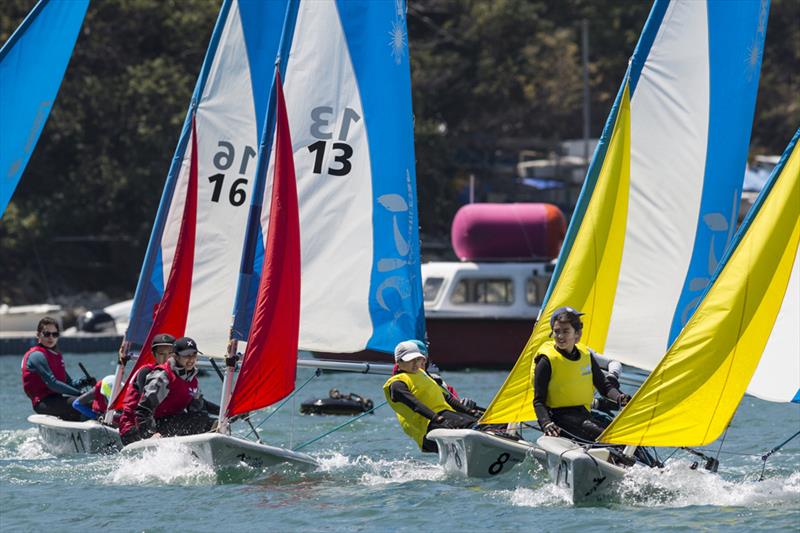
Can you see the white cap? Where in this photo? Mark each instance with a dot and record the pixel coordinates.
(407, 351)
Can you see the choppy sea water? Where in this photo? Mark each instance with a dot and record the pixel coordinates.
(372, 477)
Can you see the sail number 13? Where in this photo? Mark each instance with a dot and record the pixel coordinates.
(321, 129)
(223, 160)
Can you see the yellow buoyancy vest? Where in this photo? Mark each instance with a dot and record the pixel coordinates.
(570, 381)
(427, 392)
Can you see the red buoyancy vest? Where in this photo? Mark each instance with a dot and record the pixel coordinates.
(127, 419)
(33, 384)
(100, 403)
(181, 393)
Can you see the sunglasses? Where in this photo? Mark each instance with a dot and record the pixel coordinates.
(53, 334)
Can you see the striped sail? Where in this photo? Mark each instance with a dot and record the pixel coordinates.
(751, 308)
(660, 200)
(32, 64)
(229, 105)
(348, 98)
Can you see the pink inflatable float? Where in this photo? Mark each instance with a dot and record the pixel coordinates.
(507, 232)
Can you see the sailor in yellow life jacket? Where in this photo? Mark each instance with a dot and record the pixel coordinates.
(564, 376)
(421, 404)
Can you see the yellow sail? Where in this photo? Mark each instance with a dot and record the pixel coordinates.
(692, 394)
(589, 276)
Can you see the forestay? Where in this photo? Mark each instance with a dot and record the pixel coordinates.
(229, 105)
(751, 308)
(348, 95)
(660, 200)
(32, 64)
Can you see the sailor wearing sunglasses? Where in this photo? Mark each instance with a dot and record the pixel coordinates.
(45, 379)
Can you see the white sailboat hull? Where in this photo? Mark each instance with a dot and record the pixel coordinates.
(478, 454)
(221, 451)
(62, 437)
(584, 473)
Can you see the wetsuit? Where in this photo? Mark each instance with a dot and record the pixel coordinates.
(577, 420)
(454, 414)
(48, 385)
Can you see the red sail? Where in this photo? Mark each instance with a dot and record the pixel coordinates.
(270, 362)
(171, 311)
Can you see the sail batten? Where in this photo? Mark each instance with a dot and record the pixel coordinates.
(692, 394)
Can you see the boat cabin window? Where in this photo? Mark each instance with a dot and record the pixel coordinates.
(430, 291)
(535, 289)
(483, 291)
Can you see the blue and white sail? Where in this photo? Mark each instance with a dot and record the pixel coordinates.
(229, 105)
(32, 65)
(348, 96)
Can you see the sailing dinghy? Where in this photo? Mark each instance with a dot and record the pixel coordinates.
(745, 325)
(267, 372)
(224, 120)
(357, 209)
(633, 240)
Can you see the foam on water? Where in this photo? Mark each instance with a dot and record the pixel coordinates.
(548, 495)
(168, 463)
(674, 486)
(21, 444)
(677, 485)
(377, 472)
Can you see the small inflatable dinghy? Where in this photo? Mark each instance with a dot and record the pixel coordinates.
(336, 403)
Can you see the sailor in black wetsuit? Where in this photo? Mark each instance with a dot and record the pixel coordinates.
(564, 375)
(420, 403)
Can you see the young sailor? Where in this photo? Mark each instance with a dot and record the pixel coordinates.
(170, 403)
(420, 403)
(161, 346)
(93, 403)
(564, 375)
(45, 379)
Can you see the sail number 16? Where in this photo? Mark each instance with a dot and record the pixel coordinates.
(223, 160)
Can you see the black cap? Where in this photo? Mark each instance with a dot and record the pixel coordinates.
(162, 339)
(565, 309)
(185, 346)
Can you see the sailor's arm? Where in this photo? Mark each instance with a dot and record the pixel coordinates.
(37, 362)
(604, 386)
(399, 392)
(541, 380)
(155, 390)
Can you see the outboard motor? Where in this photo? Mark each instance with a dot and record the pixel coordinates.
(96, 321)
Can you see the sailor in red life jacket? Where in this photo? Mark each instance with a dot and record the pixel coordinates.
(564, 375)
(94, 403)
(170, 403)
(45, 379)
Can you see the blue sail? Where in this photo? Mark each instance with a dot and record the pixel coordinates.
(32, 65)
(354, 158)
(229, 105)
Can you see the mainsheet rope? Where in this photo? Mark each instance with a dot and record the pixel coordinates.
(340, 426)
